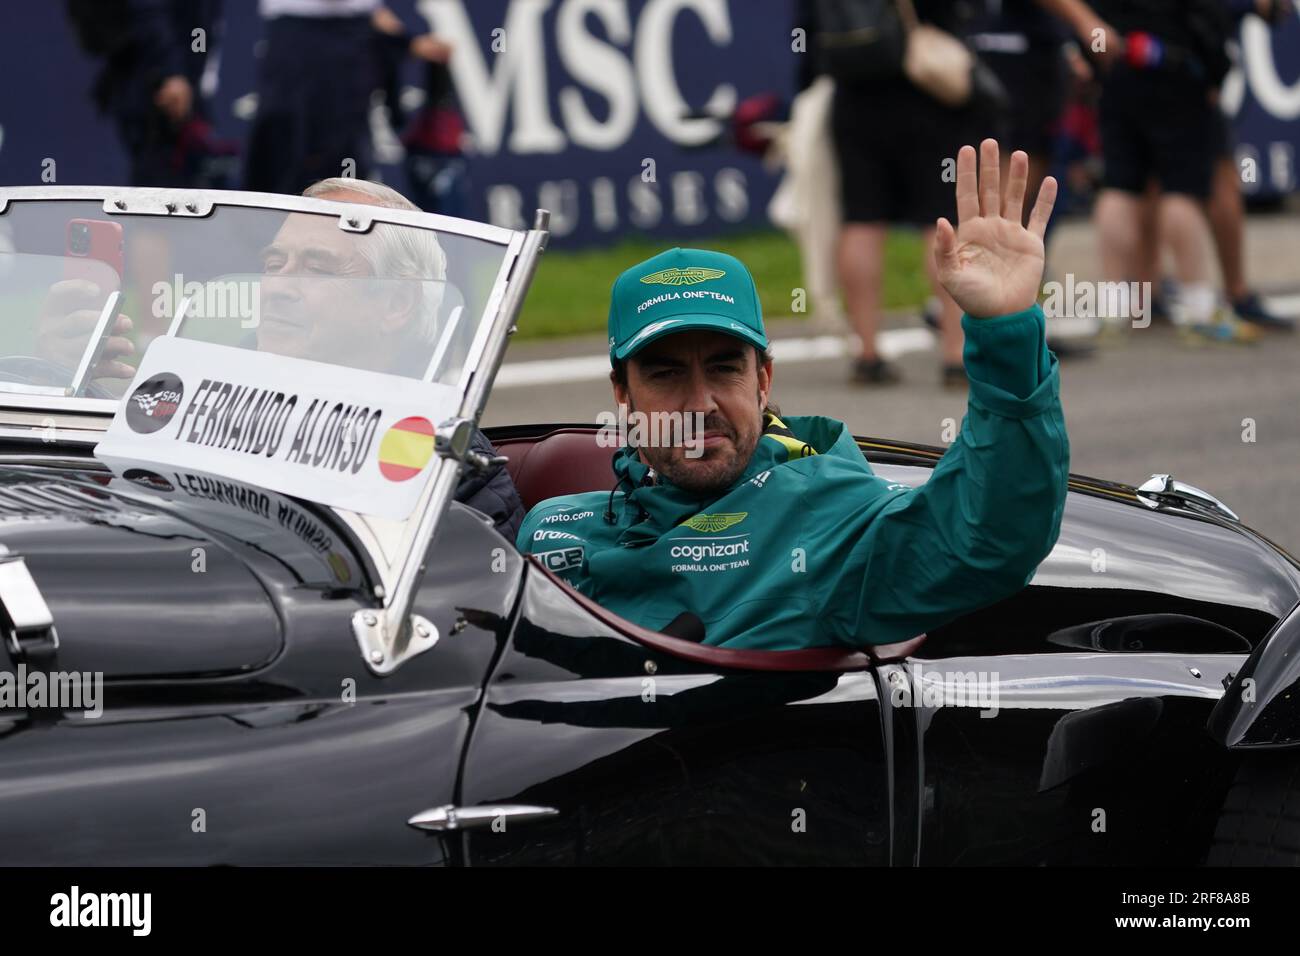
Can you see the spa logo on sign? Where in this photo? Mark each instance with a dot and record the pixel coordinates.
(152, 405)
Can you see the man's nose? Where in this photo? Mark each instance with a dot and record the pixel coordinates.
(281, 287)
(699, 393)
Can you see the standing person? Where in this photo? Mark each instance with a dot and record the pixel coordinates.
(1027, 45)
(1158, 123)
(432, 135)
(892, 140)
(314, 84)
(1227, 209)
(154, 54)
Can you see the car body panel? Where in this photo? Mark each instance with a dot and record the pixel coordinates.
(308, 759)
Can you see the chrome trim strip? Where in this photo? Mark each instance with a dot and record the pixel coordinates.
(155, 201)
(25, 615)
(57, 404)
(51, 391)
(91, 355)
(42, 434)
(181, 308)
(1163, 488)
(392, 621)
(451, 817)
(499, 287)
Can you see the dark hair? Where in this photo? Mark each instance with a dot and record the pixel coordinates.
(618, 373)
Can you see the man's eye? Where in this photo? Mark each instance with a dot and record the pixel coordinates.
(663, 374)
(272, 265)
(727, 369)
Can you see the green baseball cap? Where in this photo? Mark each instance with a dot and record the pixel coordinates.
(679, 290)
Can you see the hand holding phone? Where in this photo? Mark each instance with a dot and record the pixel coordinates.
(68, 320)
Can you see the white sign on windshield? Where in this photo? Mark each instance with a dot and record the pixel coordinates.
(342, 437)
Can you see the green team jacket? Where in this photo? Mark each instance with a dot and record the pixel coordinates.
(810, 547)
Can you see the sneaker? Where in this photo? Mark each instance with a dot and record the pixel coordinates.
(1113, 332)
(953, 377)
(1250, 308)
(1160, 310)
(1223, 329)
(874, 372)
(1071, 348)
(930, 313)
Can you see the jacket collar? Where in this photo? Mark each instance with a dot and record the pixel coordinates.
(653, 505)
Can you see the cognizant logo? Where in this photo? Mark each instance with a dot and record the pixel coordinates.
(716, 548)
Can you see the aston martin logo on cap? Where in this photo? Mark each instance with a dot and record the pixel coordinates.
(711, 524)
(687, 276)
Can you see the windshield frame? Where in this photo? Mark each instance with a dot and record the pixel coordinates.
(123, 202)
(393, 550)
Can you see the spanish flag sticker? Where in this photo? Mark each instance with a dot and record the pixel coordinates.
(406, 449)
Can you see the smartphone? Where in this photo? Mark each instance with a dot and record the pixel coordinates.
(92, 241)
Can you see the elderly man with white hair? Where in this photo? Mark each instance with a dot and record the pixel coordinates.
(383, 316)
(406, 316)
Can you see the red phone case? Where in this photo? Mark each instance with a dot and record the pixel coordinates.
(101, 241)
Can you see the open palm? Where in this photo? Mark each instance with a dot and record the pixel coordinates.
(991, 264)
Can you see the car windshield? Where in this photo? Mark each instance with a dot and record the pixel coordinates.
(83, 293)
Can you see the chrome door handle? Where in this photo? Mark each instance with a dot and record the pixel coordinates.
(451, 817)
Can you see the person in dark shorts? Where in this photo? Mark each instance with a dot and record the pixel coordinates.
(313, 94)
(1227, 209)
(150, 82)
(1024, 45)
(1158, 125)
(892, 141)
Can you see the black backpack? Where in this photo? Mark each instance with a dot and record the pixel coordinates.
(859, 40)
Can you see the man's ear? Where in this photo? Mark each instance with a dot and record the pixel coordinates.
(764, 382)
(620, 390)
(401, 305)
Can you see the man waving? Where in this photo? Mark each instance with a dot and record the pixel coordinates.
(774, 532)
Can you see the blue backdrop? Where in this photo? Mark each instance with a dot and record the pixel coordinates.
(585, 95)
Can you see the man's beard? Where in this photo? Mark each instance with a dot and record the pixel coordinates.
(708, 475)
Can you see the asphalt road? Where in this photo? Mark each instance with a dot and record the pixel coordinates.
(1151, 404)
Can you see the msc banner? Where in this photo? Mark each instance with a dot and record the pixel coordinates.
(337, 436)
(613, 114)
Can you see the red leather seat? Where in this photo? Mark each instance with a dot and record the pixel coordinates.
(565, 461)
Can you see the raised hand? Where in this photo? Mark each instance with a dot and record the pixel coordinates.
(991, 264)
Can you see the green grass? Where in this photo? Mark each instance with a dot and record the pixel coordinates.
(570, 293)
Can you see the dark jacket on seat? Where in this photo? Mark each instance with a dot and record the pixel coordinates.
(492, 492)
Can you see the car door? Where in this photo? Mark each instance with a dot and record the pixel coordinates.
(1067, 724)
(609, 751)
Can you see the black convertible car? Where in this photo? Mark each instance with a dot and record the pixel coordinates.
(293, 647)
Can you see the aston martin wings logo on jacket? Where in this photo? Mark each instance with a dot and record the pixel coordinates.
(711, 524)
